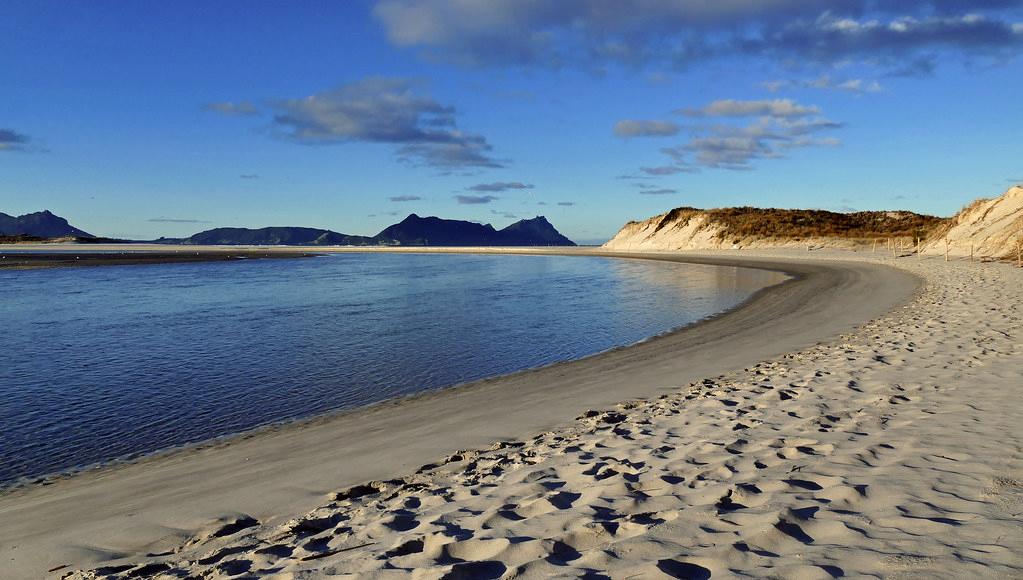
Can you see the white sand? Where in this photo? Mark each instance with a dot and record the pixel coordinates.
(892, 451)
(987, 228)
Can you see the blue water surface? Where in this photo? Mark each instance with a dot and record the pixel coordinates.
(104, 363)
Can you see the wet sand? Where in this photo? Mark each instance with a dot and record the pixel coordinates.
(18, 256)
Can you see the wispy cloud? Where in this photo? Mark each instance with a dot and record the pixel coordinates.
(499, 186)
(241, 108)
(825, 82)
(660, 191)
(384, 110)
(249, 176)
(11, 140)
(475, 199)
(677, 34)
(504, 214)
(403, 198)
(641, 128)
(747, 131)
(177, 221)
(831, 37)
(737, 108)
(662, 170)
(566, 203)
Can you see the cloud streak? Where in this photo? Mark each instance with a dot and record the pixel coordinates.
(404, 198)
(177, 221)
(662, 170)
(475, 199)
(736, 108)
(639, 128)
(241, 108)
(499, 186)
(825, 82)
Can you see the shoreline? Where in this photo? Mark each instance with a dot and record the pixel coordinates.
(24, 484)
(294, 466)
(31, 257)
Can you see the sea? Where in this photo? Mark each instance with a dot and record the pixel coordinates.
(106, 364)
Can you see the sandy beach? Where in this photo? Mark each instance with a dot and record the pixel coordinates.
(858, 419)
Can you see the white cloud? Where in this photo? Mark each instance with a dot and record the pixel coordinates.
(748, 131)
(384, 110)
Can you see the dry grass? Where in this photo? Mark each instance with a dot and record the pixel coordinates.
(19, 239)
(746, 222)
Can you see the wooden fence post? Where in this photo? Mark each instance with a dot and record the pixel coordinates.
(946, 249)
(971, 250)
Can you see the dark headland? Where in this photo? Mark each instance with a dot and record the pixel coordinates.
(44, 227)
(412, 231)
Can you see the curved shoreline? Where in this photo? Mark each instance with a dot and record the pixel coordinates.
(152, 505)
(26, 483)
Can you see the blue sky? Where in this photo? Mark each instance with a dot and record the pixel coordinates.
(143, 119)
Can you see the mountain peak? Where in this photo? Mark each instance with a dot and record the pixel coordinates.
(434, 231)
(535, 232)
(43, 224)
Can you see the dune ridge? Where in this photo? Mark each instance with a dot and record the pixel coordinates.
(989, 228)
(985, 229)
(687, 228)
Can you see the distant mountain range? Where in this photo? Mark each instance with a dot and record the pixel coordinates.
(434, 231)
(41, 224)
(270, 237)
(412, 231)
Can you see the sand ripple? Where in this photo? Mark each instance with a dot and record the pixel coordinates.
(894, 451)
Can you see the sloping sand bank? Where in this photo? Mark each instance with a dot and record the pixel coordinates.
(538, 503)
(25, 260)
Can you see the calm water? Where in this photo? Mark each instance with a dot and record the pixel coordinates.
(110, 362)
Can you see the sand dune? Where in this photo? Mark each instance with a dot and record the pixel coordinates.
(735, 228)
(892, 450)
(990, 228)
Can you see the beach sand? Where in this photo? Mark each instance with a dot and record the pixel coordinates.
(857, 420)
